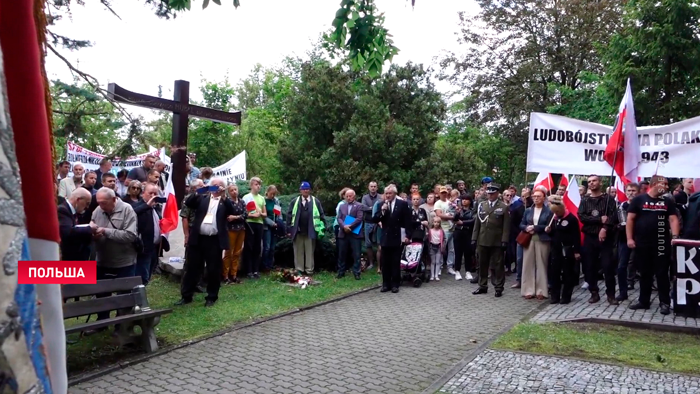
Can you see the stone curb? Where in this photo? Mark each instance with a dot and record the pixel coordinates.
(471, 355)
(86, 376)
(633, 324)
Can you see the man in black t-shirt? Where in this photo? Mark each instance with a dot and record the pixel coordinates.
(652, 221)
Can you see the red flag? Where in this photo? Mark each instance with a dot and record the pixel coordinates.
(564, 181)
(623, 152)
(26, 99)
(249, 201)
(620, 190)
(544, 179)
(170, 218)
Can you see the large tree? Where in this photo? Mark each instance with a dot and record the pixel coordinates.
(518, 53)
(659, 49)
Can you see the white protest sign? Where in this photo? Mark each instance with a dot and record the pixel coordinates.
(91, 160)
(558, 144)
(233, 170)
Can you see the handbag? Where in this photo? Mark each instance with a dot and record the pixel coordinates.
(523, 239)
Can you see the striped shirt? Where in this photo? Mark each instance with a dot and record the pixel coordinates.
(592, 209)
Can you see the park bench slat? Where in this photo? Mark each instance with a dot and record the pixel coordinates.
(95, 305)
(116, 320)
(102, 286)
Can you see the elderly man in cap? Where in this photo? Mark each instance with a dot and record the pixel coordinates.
(305, 224)
(490, 236)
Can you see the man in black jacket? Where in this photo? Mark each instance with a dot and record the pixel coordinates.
(394, 216)
(76, 234)
(149, 230)
(207, 241)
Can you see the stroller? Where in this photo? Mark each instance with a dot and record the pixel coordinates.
(412, 266)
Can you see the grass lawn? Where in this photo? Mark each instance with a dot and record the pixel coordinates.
(671, 352)
(242, 303)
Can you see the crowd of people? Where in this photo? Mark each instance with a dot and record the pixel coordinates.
(475, 235)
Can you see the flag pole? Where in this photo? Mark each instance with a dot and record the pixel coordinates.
(612, 175)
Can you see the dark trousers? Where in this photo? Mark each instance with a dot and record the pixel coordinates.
(269, 242)
(491, 259)
(252, 250)
(463, 249)
(391, 266)
(651, 261)
(625, 270)
(355, 245)
(113, 273)
(208, 250)
(145, 264)
(597, 255)
(562, 273)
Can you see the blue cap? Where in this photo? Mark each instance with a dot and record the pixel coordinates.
(486, 179)
(305, 186)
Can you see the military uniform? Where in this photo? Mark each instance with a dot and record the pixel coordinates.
(491, 230)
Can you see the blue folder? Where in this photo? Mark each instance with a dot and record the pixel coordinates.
(349, 220)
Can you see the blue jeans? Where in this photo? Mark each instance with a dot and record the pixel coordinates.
(519, 262)
(145, 265)
(623, 258)
(269, 242)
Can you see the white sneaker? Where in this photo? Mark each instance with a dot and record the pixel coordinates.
(432, 277)
(458, 276)
(468, 276)
(450, 271)
(437, 278)
(584, 286)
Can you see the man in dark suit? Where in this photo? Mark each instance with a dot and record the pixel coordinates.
(394, 216)
(347, 238)
(207, 241)
(149, 230)
(75, 239)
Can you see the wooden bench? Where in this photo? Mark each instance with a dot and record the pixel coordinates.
(131, 305)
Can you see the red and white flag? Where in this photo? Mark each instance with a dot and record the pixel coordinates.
(544, 179)
(170, 217)
(277, 210)
(249, 201)
(622, 151)
(572, 199)
(564, 181)
(620, 190)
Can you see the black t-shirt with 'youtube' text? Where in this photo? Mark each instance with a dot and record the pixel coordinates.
(651, 224)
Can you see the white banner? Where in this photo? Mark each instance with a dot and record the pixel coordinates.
(233, 170)
(558, 145)
(91, 160)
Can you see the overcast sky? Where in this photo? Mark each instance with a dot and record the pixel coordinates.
(141, 51)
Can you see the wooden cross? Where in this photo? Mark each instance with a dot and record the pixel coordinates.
(182, 109)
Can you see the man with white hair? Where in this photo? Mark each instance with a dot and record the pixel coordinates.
(114, 226)
(207, 240)
(160, 167)
(68, 184)
(75, 239)
(394, 216)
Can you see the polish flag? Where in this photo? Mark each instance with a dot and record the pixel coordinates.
(620, 189)
(564, 181)
(43, 361)
(277, 210)
(544, 179)
(572, 199)
(250, 205)
(622, 150)
(170, 218)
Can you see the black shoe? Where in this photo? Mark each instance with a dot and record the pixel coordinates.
(226, 281)
(384, 289)
(595, 297)
(340, 276)
(209, 303)
(256, 275)
(474, 279)
(394, 289)
(480, 291)
(664, 309)
(499, 293)
(638, 305)
(565, 300)
(357, 276)
(183, 302)
(621, 297)
(250, 276)
(554, 300)
(613, 301)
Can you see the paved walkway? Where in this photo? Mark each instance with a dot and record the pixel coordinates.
(501, 372)
(580, 308)
(369, 343)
